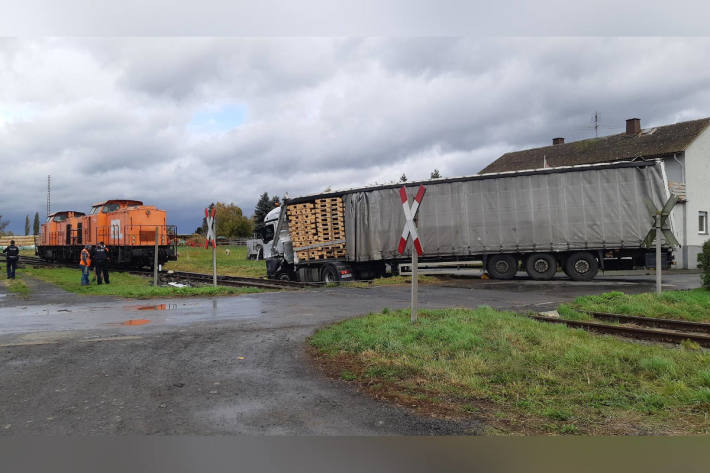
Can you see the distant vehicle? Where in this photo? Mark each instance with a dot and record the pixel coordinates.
(255, 249)
(127, 227)
(577, 218)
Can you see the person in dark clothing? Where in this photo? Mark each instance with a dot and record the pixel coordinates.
(100, 259)
(12, 253)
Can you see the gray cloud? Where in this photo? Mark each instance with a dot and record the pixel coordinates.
(111, 117)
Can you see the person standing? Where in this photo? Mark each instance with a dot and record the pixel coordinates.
(85, 263)
(12, 257)
(100, 260)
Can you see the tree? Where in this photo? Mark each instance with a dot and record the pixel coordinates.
(231, 222)
(27, 224)
(435, 174)
(3, 225)
(403, 178)
(202, 229)
(263, 207)
(35, 224)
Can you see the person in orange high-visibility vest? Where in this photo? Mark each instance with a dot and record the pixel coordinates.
(85, 264)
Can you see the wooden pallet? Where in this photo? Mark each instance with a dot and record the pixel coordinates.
(317, 222)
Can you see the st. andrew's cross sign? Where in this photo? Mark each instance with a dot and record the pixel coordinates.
(661, 225)
(211, 239)
(664, 225)
(410, 228)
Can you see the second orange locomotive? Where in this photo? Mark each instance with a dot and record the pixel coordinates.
(127, 228)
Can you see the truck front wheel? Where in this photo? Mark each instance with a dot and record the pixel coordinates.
(582, 266)
(541, 266)
(502, 266)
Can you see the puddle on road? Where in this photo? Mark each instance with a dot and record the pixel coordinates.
(56, 317)
(130, 322)
(155, 307)
(136, 322)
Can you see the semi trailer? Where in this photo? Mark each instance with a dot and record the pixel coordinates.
(579, 219)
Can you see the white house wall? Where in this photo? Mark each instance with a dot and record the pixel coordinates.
(697, 175)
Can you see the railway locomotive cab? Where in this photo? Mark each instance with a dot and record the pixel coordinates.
(127, 227)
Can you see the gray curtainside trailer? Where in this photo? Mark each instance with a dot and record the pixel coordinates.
(578, 218)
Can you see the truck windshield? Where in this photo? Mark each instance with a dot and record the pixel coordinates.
(268, 233)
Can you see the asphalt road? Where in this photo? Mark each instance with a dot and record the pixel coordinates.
(227, 365)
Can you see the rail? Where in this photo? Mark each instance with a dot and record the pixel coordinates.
(238, 280)
(638, 332)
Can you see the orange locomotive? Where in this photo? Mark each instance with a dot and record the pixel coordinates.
(127, 228)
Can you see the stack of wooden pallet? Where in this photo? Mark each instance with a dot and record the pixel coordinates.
(331, 226)
(315, 227)
(20, 240)
(302, 224)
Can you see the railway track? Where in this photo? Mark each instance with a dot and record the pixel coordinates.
(31, 260)
(643, 328)
(237, 281)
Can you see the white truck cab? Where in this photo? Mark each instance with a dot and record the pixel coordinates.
(270, 222)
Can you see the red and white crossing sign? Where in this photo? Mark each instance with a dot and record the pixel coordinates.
(211, 238)
(409, 213)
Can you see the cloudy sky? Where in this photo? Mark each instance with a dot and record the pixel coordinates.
(179, 122)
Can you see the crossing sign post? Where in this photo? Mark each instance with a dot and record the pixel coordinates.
(661, 226)
(410, 228)
(211, 239)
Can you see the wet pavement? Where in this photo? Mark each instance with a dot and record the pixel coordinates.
(224, 365)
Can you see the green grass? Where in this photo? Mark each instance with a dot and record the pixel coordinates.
(16, 286)
(127, 285)
(199, 260)
(693, 305)
(520, 375)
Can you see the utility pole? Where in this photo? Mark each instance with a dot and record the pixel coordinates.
(49, 184)
(155, 260)
(595, 120)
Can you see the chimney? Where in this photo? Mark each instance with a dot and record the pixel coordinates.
(558, 141)
(633, 126)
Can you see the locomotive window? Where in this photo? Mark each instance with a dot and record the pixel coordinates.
(60, 218)
(110, 208)
(94, 210)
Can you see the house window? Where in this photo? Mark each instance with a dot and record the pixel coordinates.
(703, 222)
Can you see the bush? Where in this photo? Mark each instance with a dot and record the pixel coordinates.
(704, 264)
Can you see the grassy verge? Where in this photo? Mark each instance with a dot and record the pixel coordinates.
(127, 285)
(693, 305)
(17, 286)
(199, 260)
(520, 375)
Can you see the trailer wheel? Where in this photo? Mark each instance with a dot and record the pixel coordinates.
(541, 266)
(582, 266)
(502, 266)
(329, 273)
